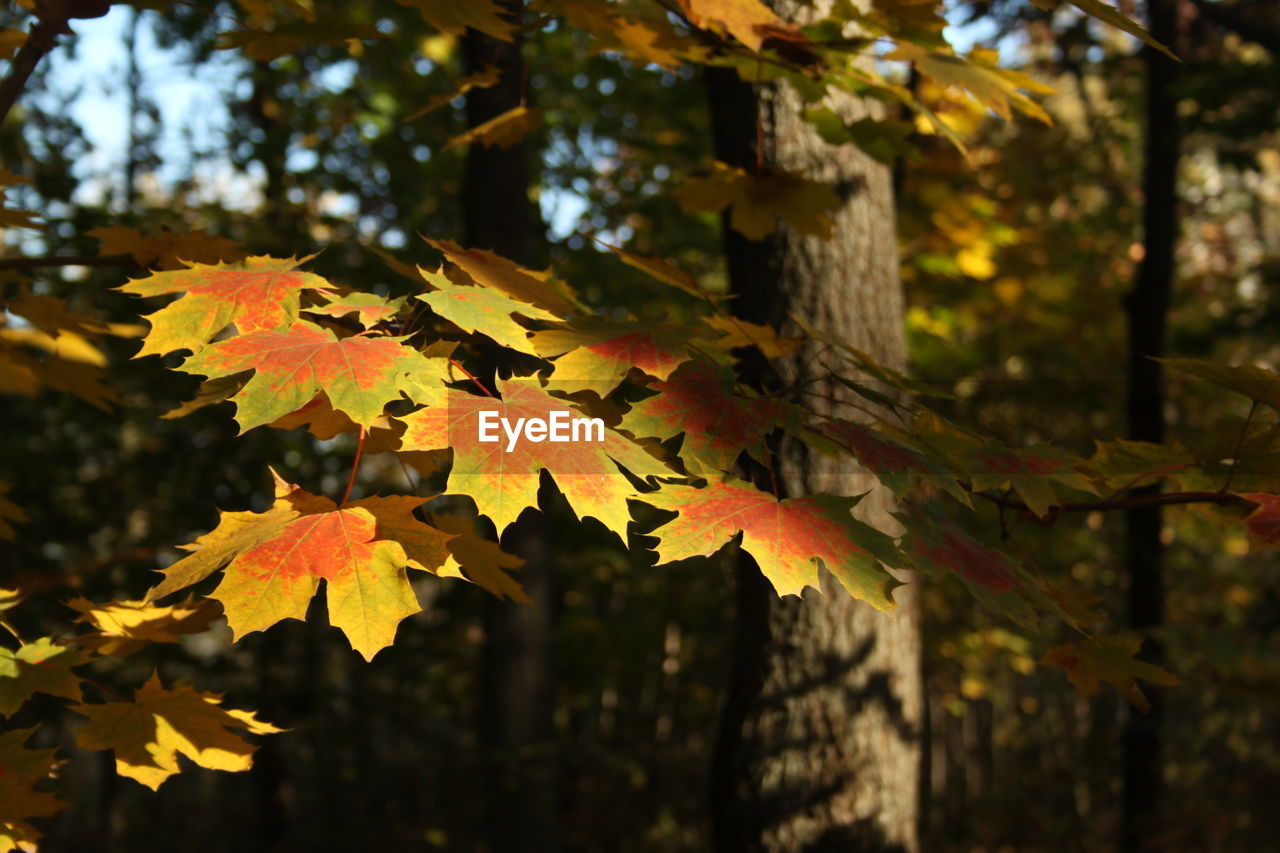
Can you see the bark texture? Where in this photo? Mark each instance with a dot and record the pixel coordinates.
(518, 688)
(820, 746)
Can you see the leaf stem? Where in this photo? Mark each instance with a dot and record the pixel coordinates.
(1235, 456)
(477, 382)
(355, 466)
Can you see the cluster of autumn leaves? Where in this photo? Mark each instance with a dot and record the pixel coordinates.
(292, 350)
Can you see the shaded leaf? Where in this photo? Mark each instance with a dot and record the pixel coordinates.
(148, 733)
(165, 249)
(1110, 660)
(501, 131)
(756, 201)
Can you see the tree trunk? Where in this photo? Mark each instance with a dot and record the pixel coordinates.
(820, 742)
(517, 690)
(1147, 308)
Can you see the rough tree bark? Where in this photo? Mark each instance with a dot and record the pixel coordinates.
(820, 744)
(517, 687)
(1147, 308)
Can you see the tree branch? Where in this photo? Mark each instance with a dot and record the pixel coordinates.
(1139, 500)
(40, 261)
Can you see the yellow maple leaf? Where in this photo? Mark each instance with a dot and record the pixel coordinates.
(749, 21)
(757, 200)
(502, 131)
(20, 769)
(123, 627)
(979, 74)
(148, 733)
(740, 333)
(165, 249)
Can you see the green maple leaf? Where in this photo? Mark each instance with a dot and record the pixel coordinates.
(788, 538)
(359, 375)
(257, 294)
(479, 309)
(41, 666)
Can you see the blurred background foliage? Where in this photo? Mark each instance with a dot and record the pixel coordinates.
(1015, 261)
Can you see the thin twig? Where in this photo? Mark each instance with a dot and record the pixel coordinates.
(477, 382)
(355, 466)
(1235, 456)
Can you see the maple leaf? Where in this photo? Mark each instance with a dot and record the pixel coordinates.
(596, 355)
(937, 545)
(1110, 15)
(749, 21)
(479, 560)
(9, 599)
(166, 250)
(1110, 660)
(1263, 523)
(359, 375)
(148, 733)
(320, 419)
(756, 201)
(53, 316)
(501, 131)
(699, 400)
(994, 87)
(257, 294)
(504, 483)
(124, 627)
(20, 769)
(41, 666)
(275, 561)
(644, 40)
(267, 45)
(789, 539)
(10, 514)
(479, 309)
(505, 276)
(1031, 472)
(662, 271)
(1256, 383)
(740, 333)
(901, 468)
(482, 79)
(450, 16)
(368, 308)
